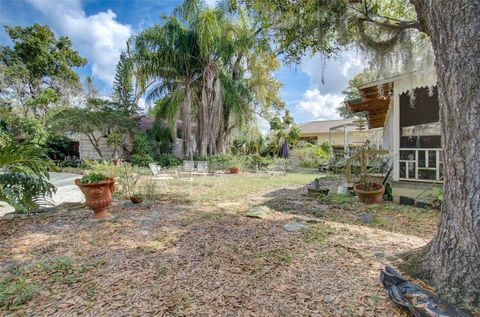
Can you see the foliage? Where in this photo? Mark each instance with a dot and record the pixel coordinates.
(310, 155)
(352, 92)
(24, 182)
(169, 160)
(115, 140)
(160, 139)
(95, 121)
(150, 189)
(127, 180)
(212, 68)
(223, 162)
(281, 129)
(57, 147)
(93, 177)
(38, 70)
(141, 150)
(102, 167)
(377, 27)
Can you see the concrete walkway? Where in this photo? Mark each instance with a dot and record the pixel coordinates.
(67, 191)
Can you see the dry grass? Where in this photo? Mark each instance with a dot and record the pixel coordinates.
(194, 253)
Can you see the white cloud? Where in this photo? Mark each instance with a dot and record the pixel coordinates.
(332, 75)
(211, 3)
(99, 37)
(263, 125)
(321, 107)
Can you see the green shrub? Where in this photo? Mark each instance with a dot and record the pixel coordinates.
(102, 167)
(93, 178)
(169, 160)
(224, 161)
(310, 155)
(141, 159)
(255, 160)
(25, 180)
(142, 151)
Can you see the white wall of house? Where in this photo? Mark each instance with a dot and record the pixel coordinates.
(87, 150)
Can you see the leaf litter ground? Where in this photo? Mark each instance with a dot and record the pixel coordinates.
(205, 258)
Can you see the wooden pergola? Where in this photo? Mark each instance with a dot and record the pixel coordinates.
(374, 102)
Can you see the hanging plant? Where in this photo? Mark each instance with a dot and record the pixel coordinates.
(411, 94)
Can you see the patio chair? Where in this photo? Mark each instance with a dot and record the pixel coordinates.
(156, 172)
(278, 168)
(184, 176)
(154, 168)
(202, 167)
(189, 166)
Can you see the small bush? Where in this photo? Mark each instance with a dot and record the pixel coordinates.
(169, 160)
(141, 159)
(224, 161)
(309, 155)
(142, 151)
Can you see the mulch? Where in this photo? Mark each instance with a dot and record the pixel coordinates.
(174, 260)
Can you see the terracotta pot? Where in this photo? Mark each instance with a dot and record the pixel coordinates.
(116, 162)
(234, 170)
(98, 196)
(136, 199)
(374, 196)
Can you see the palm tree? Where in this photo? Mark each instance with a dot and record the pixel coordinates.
(169, 53)
(24, 176)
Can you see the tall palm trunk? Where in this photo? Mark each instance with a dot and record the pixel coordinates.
(186, 114)
(205, 109)
(216, 118)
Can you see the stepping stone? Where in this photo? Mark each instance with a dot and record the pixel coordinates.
(260, 212)
(365, 218)
(294, 226)
(307, 219)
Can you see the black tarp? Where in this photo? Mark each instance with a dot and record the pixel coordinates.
(420, 302)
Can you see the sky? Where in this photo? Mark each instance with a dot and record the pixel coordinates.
(100, 28)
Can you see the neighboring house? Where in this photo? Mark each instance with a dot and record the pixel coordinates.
(407, 108)
(333, 131)
(86, 149)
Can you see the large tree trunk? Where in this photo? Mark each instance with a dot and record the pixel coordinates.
(452, 260)
(186, 121)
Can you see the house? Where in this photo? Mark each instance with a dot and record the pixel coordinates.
(407, 108)
(333, 131)
(344, 136)
(87, 151)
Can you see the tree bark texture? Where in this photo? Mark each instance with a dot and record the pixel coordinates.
(452, 260)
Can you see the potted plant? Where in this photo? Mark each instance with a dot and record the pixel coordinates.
(98, 190)
(136, 198)
(234, 166)
(367, 190)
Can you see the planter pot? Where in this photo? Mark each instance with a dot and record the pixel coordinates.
(98, 196)
(116, 162)
(136, 200)
(407, 201)
(374, 196)
(234, 170)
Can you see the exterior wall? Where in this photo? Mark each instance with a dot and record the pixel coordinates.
(87, 151)
(338, 137)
